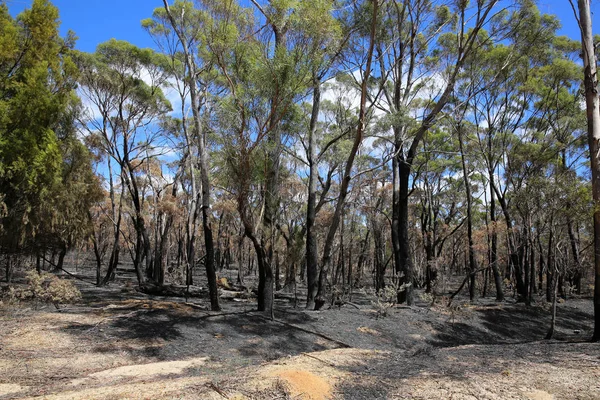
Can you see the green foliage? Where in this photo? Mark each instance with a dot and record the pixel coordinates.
(37, 78)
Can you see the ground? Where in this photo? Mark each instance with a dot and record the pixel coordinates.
(120, 344)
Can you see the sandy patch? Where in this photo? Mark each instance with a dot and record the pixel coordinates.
(10, 388)
(365, 329)
(142, 371)
(306, 385)
(538, 395)
(312, 376)
(178, 388)
(131, 304)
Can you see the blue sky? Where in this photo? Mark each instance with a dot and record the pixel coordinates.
(96, 21)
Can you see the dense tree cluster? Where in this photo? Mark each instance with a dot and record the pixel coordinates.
(47, 185)
(334, 142)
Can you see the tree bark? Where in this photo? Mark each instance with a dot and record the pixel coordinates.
(472, 257)
(404, 267)
(312, 257)
(592, 102)
(494, 240)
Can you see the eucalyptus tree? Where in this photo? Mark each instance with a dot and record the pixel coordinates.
(302, 38)
(180, 30)
(439, 197)
(421, 49)
(240, 116)
(122, 120)
(326, 43)
(264, 76)
(557, 85)
(331, 124)
(503, 108)
(497, 112)
(592, 101)
(365, 63)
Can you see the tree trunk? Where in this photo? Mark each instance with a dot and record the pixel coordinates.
(550, 333)
(494, 240)
(395, 226)
(98, 256)
(61, 256)
(379, 254)
(542, 263)
(312, 258)
(550, 276)
(532, 271)
(593, 128)
(472, 257)
(404, 267)
(240, 260)
(8, 269)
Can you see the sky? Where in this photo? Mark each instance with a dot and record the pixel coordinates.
(96, 21)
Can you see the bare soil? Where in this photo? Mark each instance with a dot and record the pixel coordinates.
(118, 343)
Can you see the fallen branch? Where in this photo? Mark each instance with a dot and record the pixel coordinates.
(338, 342)
(318, 359)
(214, 387)
(171, 290)
(351, 304)
(465, 281)
(73, 275)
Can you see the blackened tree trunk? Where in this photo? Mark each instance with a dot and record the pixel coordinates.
(379, 255)
(98, 257)
(514, 261)
(550, 275)
(312, 257)
(542, 262)
(62, 252)
(113, 261)
(116, 219)
(494, 241)
(554, 294)
(404, 266)
(472, 257)
(8, 268)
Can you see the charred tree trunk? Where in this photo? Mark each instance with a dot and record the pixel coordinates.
(312, 258)
(8, 269)
(554, 292)
(550, 276)
(62, 252)
(542, 263)
(472, 257)
(404, 267)
(494, 243)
